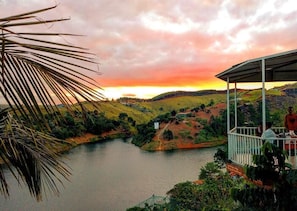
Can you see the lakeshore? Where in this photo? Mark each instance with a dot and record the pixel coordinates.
(159, 145)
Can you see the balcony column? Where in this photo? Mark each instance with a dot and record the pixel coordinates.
(230, 148)
(263, 95)
(235, 105)
(228, 106)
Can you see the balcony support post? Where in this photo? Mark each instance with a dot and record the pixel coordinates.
(228, 106)
(263, 96)
(235, 105)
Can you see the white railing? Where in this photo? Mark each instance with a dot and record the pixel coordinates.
(243, 144)
(245, 130)
(253, 130)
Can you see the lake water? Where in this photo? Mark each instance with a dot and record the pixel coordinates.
(112, 176)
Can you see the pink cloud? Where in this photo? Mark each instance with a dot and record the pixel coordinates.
(171, 43)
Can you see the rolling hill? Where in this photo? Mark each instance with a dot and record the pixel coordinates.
(185, 131)
(142, 111)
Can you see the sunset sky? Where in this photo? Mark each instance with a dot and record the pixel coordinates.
(147, 47)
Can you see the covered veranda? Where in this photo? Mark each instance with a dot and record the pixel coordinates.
(242, 140)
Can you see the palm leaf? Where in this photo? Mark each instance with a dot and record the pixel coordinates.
(61, 68)
(30, 155)
(33, 69)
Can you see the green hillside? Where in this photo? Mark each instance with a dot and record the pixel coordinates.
(144, 111)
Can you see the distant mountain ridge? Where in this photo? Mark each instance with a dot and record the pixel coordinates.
(173, 94)
(287, 88)
(186, 93)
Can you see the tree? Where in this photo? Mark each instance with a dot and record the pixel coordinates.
(202, 106)
(123, 116)
(145, 134)
(168, 135)
(184, 196)
(173, 112)
(33, 69)
(98, 123)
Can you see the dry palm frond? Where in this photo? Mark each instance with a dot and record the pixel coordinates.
(27, 154)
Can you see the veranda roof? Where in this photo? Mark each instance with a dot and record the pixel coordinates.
(278, 67)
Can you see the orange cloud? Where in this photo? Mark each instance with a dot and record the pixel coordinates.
(171, 43)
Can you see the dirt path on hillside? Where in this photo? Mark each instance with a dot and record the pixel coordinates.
(187, 130)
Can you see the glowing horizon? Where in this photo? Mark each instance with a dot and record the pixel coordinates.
(148, 92)
(145, 48)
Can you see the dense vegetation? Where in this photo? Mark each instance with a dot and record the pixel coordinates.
(93, 122)
(145, 134)
(212, 194)
(72, 126)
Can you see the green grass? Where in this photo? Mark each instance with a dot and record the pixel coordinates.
(254, 95)
(143, 112)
